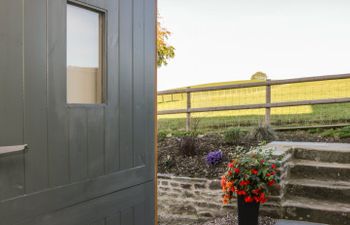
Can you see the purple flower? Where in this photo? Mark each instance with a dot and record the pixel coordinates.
(214, 157)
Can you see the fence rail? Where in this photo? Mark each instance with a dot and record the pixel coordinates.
(267, 105)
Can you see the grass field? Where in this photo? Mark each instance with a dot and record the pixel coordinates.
(284, 116)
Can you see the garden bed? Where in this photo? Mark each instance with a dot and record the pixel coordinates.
(171, 161)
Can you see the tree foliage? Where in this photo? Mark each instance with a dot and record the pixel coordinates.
(259, 76)
(164, 50)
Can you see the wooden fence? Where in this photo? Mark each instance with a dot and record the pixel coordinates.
(267, 105)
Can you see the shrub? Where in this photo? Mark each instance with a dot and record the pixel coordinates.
(338, 133)
(213, 158)
(233, 135)
(344, 132)
(181, 133)
(188, 146)
(161, 135)
(250, 176)
(329, 133)
(263, 134)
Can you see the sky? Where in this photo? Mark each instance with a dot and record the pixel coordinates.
(82, 37)
(227, 40)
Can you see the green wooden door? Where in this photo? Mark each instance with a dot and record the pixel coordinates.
(86, 164)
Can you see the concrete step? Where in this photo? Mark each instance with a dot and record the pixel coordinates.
(294, 222)
(307, 169)
(324, 152)
(312, 210)
(322, 155)
(338, 191)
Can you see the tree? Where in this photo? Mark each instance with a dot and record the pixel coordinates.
(259, 76)
(164, 50)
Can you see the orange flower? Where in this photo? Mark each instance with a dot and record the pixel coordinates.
(229, 184)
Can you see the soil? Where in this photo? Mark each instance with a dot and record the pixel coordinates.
(302, 135)
(170, 159)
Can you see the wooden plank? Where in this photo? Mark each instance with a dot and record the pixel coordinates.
(112, 108)
(127, 216)
(100, 222)
(95, 138)
(214, 88)
(114, 219)
(268, 101)
(57, 112)
(11, 97)
(64, 196)
(78, 139)
(102, 207)
(188, 111)
(258, 106)
(150, 83)
(35, 62)
(139, 89)
(257, 84)
(310, 102)
(126, 84)
(140, 213)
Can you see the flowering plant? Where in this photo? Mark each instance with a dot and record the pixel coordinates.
(214, 157)
(250, 176)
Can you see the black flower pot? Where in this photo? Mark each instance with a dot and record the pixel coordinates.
(248, 213)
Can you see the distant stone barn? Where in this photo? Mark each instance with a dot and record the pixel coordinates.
(77, 87)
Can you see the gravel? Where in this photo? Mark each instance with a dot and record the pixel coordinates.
(227, 220)
(233, 220)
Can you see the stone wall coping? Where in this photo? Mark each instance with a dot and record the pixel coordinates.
(185, 179)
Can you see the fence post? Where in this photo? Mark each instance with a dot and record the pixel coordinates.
(188, 107)
(268, 101)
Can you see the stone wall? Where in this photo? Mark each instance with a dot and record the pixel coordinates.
(200, 199)
(189, 198)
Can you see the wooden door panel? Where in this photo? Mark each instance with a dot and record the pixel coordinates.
(58, 142)
(86, 164)
(11, 98)
(78, 154)
(96, 142)
(118, 208)
(126, 85)
(35, 95)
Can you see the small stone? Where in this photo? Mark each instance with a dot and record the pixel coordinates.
(188, 194)
(186, 186)
(174, 184)
(215, 185)
(199, 186)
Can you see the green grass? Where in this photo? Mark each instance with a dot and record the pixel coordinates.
(284, 116)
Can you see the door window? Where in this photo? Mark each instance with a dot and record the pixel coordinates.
(85, 72)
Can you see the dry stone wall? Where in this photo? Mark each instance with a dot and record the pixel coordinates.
(189, 198)
(199, 198)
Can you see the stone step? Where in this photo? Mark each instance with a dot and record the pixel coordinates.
(294, 222)
(326, 152)
(313, 210)
(338, 191)
(308, 169)
(322, 155)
